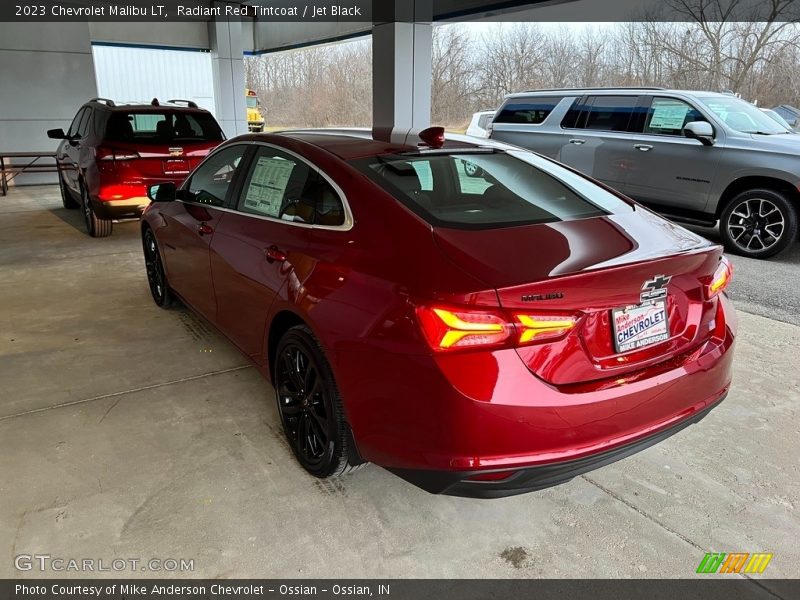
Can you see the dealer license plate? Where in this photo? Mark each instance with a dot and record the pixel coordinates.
(640, 326)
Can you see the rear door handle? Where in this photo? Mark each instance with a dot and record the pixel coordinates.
(273, 253)
(643, 147)
(205, 229)
(577, 141)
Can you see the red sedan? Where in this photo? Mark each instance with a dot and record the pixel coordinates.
(475, 318)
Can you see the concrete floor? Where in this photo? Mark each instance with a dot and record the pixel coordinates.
(131, 432)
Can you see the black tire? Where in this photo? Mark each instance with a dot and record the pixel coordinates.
(95, 226)
(156, 277)
(758, 223)
(66, 196)
(310, 406)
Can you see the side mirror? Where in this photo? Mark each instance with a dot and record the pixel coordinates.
(701, 131)
(162, 192)
(56, 134)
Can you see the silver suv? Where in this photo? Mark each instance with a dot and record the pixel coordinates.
(697, 157)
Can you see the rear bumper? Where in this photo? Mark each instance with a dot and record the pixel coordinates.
(521, 481)
(121, 209)
(434, 420)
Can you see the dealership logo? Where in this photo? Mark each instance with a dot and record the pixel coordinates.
(735, 562)
(655, 288)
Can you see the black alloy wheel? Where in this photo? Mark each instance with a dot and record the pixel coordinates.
(758, 223)
(310, 406)
(156, 278)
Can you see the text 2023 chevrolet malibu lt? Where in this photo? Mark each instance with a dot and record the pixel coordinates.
(475, 318)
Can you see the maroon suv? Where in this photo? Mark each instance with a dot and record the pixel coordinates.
(113, 152)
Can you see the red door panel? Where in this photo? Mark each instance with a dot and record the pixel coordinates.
(251, 259)
(187, 236)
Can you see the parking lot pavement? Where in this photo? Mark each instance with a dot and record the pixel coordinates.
(769, 288)
(128, 431)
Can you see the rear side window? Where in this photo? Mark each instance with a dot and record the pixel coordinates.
(601, 113)
(530, 111)
(489, 190)
(610, 113)
(281, 186)
(162, 127)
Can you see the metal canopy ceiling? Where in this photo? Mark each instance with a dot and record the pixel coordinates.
(270, 36)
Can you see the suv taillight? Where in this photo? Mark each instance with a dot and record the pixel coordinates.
(105, 153)
(448, 328)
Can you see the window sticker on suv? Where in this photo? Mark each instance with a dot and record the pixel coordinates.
(668, 114)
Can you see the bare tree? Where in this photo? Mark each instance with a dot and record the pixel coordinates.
(716, 46)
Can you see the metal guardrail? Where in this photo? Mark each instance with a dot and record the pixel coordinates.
(9, 171)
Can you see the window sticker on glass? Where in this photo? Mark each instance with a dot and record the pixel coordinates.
(268, 185)
(668, 115)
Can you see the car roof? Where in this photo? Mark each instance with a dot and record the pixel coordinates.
(615, 91)
(349, 144)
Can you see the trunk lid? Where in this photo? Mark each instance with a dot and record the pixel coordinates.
(589, 268)
(162, 161)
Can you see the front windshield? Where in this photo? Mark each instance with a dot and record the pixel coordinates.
(742, 116)
(252, 102)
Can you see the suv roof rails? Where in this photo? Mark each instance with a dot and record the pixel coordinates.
(601, 88)
(105, 101)
(189, 103)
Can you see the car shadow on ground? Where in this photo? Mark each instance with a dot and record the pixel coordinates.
(128, 228)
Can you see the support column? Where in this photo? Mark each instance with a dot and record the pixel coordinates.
(401, 69)
(227, 67)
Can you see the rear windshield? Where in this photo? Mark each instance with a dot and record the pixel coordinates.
(162, 127)
(484, 190)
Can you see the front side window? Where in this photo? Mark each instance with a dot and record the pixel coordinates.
(83, 127)
(668, 116)
(74, 127)
(484, 190)
(281, 186)
(530, 111)
(212, 180)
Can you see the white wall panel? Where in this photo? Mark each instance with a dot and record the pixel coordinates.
(141, 74)
(46, 74)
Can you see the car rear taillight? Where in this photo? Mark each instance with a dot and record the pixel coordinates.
(105, 153)
(720, 280)
(535, 328)
(459, 328)
(446, 328)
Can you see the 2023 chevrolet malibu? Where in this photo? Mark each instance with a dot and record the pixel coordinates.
(475, 318)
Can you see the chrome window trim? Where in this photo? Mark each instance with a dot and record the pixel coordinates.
(349, 221)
